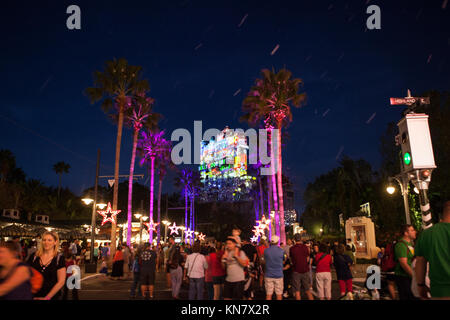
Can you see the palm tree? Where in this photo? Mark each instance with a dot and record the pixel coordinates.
(184, 179)
(141, 115)
(163, 163)
(271, 99)
(60, 168)
(150, 147)
(115, 85)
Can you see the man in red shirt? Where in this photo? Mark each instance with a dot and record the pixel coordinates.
(299, 254)
(260, 250)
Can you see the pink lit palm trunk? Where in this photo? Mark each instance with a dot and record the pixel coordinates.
(269, 203)
(185, 207)
(274, 190)
(158, 237)
(261, 197)
(280, 191)
(130, 187)
(152, 187)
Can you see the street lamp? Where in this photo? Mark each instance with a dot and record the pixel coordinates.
(182, 233)
(166, 224)
(390, 189)
(402, 180)
(101, 206)
(141, 219)
(87, 201)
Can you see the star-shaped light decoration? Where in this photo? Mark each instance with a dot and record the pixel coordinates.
(201, 236)
(254, 239)
(188, 233)
(264, 223)
(174, 229)
(106, 217)
(258, 230)
(151, 226)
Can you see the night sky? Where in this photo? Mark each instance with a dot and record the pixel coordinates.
(197, 55)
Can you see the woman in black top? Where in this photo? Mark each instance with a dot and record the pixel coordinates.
(15, 275)
(51, 265)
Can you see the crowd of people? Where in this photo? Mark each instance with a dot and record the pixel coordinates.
(412, 267)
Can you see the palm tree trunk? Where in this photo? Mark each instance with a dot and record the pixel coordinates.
(159, 211)
(261, 197)
(152, 180)
(274, 190)
(280, 192)
(116, 178)
(130, 187)
(269, 203)
(185, 207)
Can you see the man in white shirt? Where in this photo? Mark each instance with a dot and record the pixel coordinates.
(194, 268)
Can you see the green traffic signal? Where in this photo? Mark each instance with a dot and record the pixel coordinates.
(407, 158)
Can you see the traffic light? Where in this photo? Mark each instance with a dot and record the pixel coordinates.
(415, 141)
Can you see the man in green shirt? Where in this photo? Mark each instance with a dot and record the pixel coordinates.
(433, 246)
(404, 254)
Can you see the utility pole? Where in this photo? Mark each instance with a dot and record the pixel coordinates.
(92, 267)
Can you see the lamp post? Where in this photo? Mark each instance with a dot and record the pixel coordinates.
(166, 223)
(141, 221)
(182, 233)
(402, 180)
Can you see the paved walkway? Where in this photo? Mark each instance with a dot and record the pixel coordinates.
(100, 287)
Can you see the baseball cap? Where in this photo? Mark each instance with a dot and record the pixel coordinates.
(275, 239)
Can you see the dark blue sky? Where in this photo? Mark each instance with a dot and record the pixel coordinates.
(349, 74)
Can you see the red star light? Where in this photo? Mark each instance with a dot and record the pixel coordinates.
(106, 217)
(201, 237)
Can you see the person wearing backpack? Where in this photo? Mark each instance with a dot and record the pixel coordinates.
(174, 263)
(52, 265)
(323, 263)
(195, 269)
(15, 275)
(404, 255)
(387, 267)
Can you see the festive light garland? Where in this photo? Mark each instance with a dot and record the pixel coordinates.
(106, 218)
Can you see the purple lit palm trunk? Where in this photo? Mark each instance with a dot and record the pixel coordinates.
(152, 179)
(130, 187)
(159, 212)
(269, 203)
(274, 190)
(282, 232)
(185, 207)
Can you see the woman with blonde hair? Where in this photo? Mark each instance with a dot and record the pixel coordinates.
(51, 264)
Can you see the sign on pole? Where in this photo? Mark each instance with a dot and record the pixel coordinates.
(111, 183)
